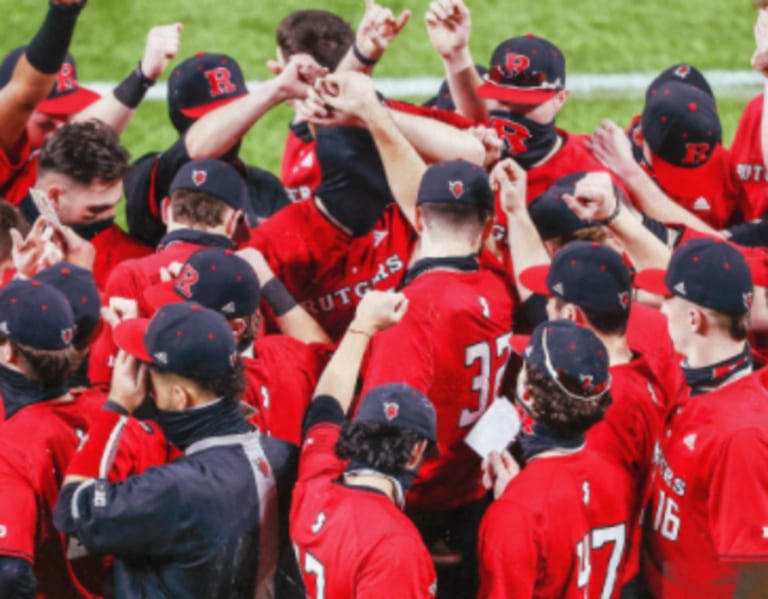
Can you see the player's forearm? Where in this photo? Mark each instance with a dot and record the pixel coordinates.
(463, 80)
(217, 132)
(291, 317)
(339, 378)
(435, 140)
(403, 166)
(649, 198)
(643, 247)
(525, 247)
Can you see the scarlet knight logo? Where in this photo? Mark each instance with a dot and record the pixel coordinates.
(516, 63)
(624, 299)
(587, 381)
(391, 410)
(67, 335)
(220, 81)
(457, 188)
(185, 280)
(682, 71)
(748, 299)
(199, 177)
(696, 153)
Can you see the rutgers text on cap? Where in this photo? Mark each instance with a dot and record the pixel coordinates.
(681, 125)
(456, 181)
(572, 356)
(215, 278)
(707, 272)
(588, 274)
(185, 339)
(402, 406)
(37, 315)
(201, 84)
(67, 96)
(524, 70)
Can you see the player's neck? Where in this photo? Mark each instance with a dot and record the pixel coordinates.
(371, 481)
(444, 248)
(172, 226)
(618, 350)
(709, 351)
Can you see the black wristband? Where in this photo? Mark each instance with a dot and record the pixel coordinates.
(48, 49)
(131, 90)
(278, 297)
(613, 215)
(362, 58)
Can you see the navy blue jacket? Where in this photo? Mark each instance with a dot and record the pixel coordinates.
(200, 527)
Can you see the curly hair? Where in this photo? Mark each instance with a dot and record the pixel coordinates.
(85, 152)
(383, 447)
(560, 411)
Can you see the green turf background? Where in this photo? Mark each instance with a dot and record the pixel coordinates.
(597, 36)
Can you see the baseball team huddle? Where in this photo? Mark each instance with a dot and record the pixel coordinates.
(451, 351)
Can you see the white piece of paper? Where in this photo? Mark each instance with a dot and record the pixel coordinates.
(495, 429)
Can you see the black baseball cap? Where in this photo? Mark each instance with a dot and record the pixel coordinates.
(400, 405)
(587, 274)
(185, 339)
(551, 215)
(524, 70)
(569, 354)
(457, 181)
(79, 287)
(707, 272)
(67, 96)
(36, 314)
(215, 278)
(683, 73)
(200, 84)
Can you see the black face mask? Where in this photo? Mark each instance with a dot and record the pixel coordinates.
(525, 140)
(17, 391)
(707, 378)
(90, 230)
(545, 438)
(184, 427)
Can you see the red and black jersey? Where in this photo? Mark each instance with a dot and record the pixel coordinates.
(709, 492)
(747, 156)
(281, 377)
(299, 168)
(352, 541)
(560, 529)
(328, 271)
(452, 345)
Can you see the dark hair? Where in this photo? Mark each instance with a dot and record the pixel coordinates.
(85, 152)
(49, 367)
(321, 34)
(737, 325)
(455, 216)
(10, 218)
(605, 323)
(197, 208)
(383, 447)
(563, 413)
(229, 386)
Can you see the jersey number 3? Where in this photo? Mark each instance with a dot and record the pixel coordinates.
(491, 361)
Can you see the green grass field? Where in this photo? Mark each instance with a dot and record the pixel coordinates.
(597, 36)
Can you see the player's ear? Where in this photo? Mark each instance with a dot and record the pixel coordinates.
(181, 397)
(238, 327)
(574, 313)
(637, 136)
(487, 229)
(418, 221)
(417, 454)
(560, 98)
(54, 191)
(165, 210)
(7, 354)
(697, 320)
(233, 221)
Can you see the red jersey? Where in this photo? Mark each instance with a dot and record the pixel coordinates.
(113, 246)
(299, 168)
(559, 530)
(325, 269)
(747, 157)
(280, 380)
(709, 502)
(17, 176)
(130, 278)
(452, 345)
(352, 542)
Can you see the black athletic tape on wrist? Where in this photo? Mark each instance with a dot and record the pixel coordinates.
(620, 197)
(47, 50)
(278, 297)
(131, 90)
(362, 58)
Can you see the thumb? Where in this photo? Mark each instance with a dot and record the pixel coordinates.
(274, 66)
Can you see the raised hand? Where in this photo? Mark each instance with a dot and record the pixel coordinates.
(448, 25)
(161, 48)
(379, 310)
(510, 181)
(378, 29)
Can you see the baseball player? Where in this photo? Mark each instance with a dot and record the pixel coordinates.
(704, 522)
(560, 527)
(281, 371)
(452, 346)
(207, 523)
(347, 525)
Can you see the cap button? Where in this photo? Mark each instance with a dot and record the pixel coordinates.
(529, 35)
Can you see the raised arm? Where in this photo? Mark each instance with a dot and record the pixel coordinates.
(760, 64)
(35, 73)
(377, 311)
(449, 25)
(116, 109)
(218, 131)
(509, 180)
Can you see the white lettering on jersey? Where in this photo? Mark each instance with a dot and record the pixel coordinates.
(3, 531)
(765, 532)
(689, 441)
(585, 491)
(486, 307)
(319, 523)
